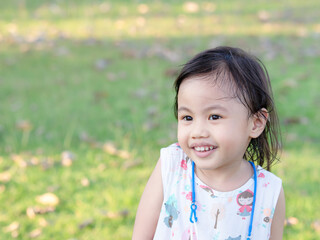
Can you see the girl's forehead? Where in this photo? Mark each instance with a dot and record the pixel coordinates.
(207, 87)
(202, 93)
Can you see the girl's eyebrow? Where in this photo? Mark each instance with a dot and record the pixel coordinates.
(216, 107)
(212, 107)
(181, 109)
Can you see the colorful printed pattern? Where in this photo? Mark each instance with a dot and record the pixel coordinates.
(221, 215)
(171, 209)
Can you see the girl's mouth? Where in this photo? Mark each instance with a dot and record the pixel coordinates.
(204, 148)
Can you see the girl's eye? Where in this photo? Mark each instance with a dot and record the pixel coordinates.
(214, 117)
(187, 118)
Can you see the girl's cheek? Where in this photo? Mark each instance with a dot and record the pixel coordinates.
(222, 135)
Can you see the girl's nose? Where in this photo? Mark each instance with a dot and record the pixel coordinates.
(200, 130)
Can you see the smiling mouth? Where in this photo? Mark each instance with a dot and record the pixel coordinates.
(204, 149)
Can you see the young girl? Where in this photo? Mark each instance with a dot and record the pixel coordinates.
(211, 185)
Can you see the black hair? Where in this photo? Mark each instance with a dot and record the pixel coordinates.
(250, 82)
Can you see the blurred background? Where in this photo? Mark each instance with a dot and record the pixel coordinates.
(87, 103)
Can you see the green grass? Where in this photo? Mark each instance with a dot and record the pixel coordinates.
(51, 81)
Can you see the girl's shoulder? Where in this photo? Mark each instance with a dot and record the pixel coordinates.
(269, 183)
(266, 175)
(174, 163)
(172, 153)
(173, 146)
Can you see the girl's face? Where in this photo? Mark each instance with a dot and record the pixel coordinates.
(214, 129)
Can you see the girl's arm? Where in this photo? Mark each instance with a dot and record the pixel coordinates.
(149, 207)
(278, 218)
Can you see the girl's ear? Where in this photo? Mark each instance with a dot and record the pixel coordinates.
(259, 121)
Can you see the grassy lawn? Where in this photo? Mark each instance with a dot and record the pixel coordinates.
(86, 104)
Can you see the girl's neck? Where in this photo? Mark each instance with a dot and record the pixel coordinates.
(227, 179)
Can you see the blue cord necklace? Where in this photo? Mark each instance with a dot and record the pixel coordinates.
(193, 215)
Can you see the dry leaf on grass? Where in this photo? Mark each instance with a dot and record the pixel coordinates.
(140, 93)
(33, 211)
(25, 160)
(85, 223)
(114, 164)
(141, 22)
(12, 227)
(5, 176)
(30, 212)
(131, 164)
(290, 83)
(110, 148)
(101, 64)
(191, 7)
(162, 52)
(112, 77)
(101, 167)
(35, 233)
(34, 161)
(209, 7)
(90, 41)
(143, 8)
(67, 158)
(49, 199)
(123, 154)
(2, 188)
(43, 222)
(149, 125)
(90, 140)
(53, 188)
(15, 234)
(152, 111)
(296, 120)
(105, 7)
(19, 160)
(100, 95)
(291, 221)
(130, 53)
(172, 72)
(61, 51)
(290, 137)
(47, 163)
(263, 16)
(113, 215)
(316, 226)
(24, 125)
(85, 182)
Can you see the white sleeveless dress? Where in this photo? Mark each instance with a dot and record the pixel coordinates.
(221, 215)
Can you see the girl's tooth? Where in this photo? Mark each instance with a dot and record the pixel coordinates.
(201, 149)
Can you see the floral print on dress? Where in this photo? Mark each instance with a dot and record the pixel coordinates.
(268, 214)
(184, 165)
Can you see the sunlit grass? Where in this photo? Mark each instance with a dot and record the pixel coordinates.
(139, 27)
(117, 20)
